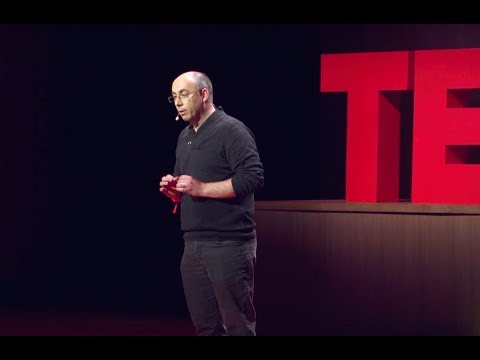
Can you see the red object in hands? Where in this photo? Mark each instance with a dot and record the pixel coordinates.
(173, 184)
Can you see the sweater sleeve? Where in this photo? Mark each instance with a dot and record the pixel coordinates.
(243, 158)
(177, 170)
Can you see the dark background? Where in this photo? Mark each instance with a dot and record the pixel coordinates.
(86, 132)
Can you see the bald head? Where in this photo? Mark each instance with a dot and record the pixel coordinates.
(192, 96)
(198, 79)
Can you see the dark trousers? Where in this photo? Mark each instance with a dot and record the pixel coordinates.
(218, 281)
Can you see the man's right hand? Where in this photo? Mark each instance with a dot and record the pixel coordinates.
(167, 187)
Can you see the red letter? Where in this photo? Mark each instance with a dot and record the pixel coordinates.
(373, 82)
(446, 127)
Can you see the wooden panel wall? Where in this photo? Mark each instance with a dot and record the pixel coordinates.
(367, 273)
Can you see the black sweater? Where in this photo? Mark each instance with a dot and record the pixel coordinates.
(222, 148)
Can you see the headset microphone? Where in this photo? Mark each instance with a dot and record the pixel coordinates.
(177, 118)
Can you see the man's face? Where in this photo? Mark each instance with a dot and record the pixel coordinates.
(187, 98)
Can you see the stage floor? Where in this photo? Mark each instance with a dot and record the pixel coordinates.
(59, 323)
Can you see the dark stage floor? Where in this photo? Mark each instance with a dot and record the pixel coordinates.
(56, 323)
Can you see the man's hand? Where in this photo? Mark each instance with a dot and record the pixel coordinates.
(168, 186)
(190, 185)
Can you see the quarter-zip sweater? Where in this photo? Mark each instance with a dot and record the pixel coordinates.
(221, 148)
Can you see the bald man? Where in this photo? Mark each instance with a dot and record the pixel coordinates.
(217, 171)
